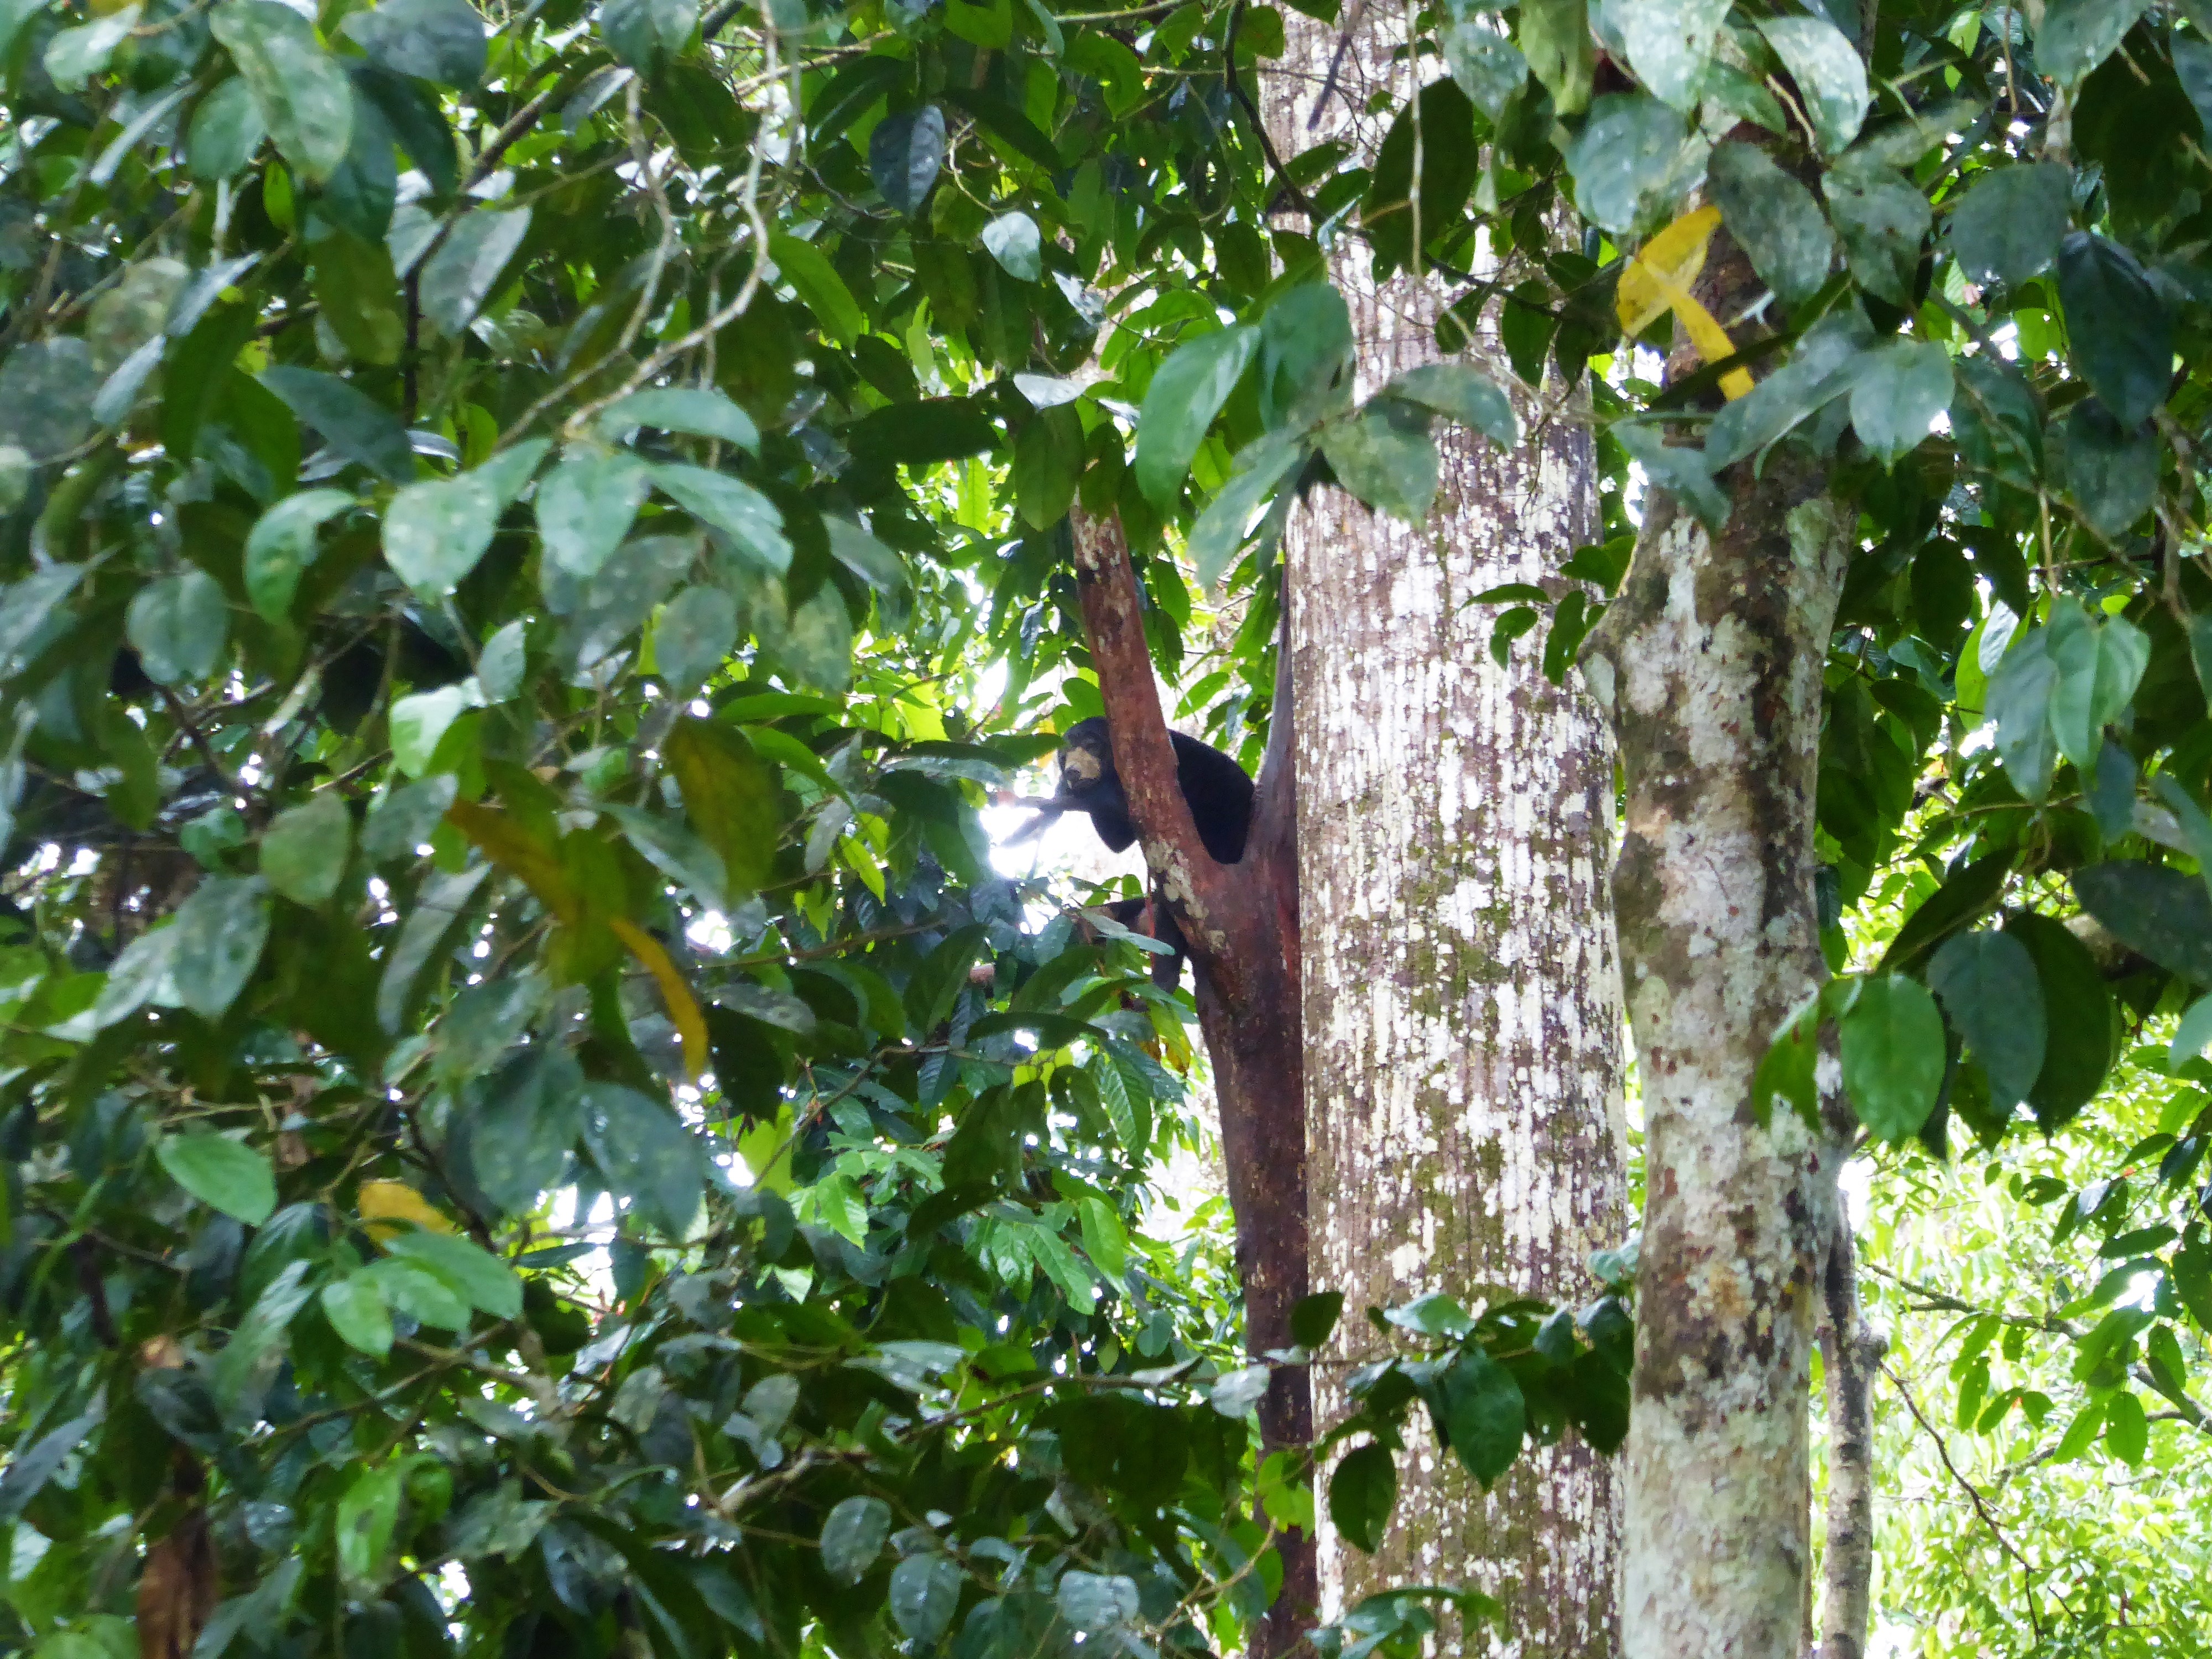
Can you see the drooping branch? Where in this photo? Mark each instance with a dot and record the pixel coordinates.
(1240, 923)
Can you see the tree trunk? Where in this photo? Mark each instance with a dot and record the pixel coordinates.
(1710, 665)
(1849, 1355)
(1463, 1033)
(1240, 923)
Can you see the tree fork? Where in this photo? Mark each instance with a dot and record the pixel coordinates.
(1241, 923)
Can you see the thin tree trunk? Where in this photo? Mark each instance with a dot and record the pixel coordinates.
(1710, 664)
(1240, 922)
(1850, 1354)
(1463, 1027)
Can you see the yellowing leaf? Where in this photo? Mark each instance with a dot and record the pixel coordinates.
(683, 1007)
(390, 1202)
(1658, 280)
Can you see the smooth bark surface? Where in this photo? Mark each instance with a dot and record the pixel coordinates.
(1850, 1353)
(1709, 663)
(1462, 1026)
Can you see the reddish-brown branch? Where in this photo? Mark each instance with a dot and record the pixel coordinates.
(1241, 922)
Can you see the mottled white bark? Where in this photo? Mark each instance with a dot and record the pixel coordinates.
(1463, 1055)
(1850, 1352)
(1711, 664)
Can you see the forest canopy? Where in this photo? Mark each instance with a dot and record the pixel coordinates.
(529, 1120)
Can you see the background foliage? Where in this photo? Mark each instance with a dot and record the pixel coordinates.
(529, 1117)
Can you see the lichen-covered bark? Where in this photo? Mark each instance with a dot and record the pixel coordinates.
(1849, 1354)
(1463, 1060)
(1709, 664)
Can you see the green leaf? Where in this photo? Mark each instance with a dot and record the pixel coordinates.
(1361, 1493)
(1460, 393)
(422, 1292)
(459, 276)
(1483, 1415)
(219, 933)
(421, 720)
(440, 41)
(694, 636)
(1555, 38)
(1897, 398)
(2078, 35)
(2006, 228)
(355, 425)
(645, 1154)
(226, 128)
(747, 517)
(1184, 397)
(1385, 457)
(1883, 219)
(1238, 1393)
(1832, 82)
(925, 1588)
(1892, 1052)
(74, 57)
(852, 1537)
(488, 1283)
(1259, 467)
(281, 545)
(221, 1173)
(819, 288)
(300, 90)
(439, 911)
(178, 626)
(702, 411)
(586, 504)
(1012, 239)
(729, 794)
(1987, 983)
(2078, 1011)
(363, 1524)
(435, 531)
(865, 556)
(2127, 1431)
(1095, 1602)
(357, 1312)
(1668, 43)
(1313, 1319)
(2110, 474)
(2019, 701)
(2154, 911)
(1047, 460)
(521, 1125)
(2098, 666)
(2121, 334)
(646, 34)
(1774, 219)
(905, 152)
(1631, 161)
(1305, 358)
(1489, 68)
(2192, 1036)
(1681, 471)
(303, 852)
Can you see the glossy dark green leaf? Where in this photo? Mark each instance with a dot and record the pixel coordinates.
(283, 545)
(1883, 219)
(2122, 336)
(695, 635)
(1460, 393)
(1013, 241)
(353, 424)
(852, 1537)
(178, 626)
(1363, 1490)
(1830, 78)
(701, 411)
(224, 1174)
(644, 33)
(2079, 1049)
(2008, 227)
(747, 517)
(1180, 404)
(1987, 984)
(1893, 1055)
(358, 1313)
(905, 153)
(440, 40)
(1049, 457)
(647, 1155)
(1774, 218)
(1897, 397)
(303, 853)
(2078, 35)
(925, 1592)
(586, 504)
(220, 932)
(1385, 457)
(300, 89)
(2153, 909)
(1483, 1413)
(435, 531)
(1629, 160)
(465, 269)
